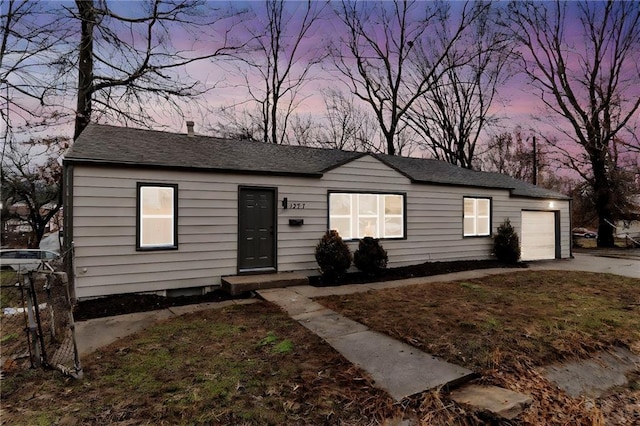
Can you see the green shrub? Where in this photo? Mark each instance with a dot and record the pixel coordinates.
(506, 244)
(333, 256)
(370, 257)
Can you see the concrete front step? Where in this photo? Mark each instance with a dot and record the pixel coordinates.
(238, 284)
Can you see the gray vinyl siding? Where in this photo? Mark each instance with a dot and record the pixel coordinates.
(435, 214)
(104, 218)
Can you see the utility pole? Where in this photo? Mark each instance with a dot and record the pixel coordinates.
(535, 162)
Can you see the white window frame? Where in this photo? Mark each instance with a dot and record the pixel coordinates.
(476, 217)
(169, 245)
(380, 217)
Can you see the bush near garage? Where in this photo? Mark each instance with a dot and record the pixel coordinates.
(506, 243)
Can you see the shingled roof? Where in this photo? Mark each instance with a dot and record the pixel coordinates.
(111, 145)
(436, 171)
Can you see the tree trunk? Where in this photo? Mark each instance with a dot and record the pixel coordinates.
(39, 233)
(603, 198)
(274, 116)
(86, 12)
(391, 149)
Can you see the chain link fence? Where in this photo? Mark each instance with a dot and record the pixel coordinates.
(36, 321)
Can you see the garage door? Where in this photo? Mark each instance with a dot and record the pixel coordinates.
(538, 235)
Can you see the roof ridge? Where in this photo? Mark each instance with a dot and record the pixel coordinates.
(231, 140)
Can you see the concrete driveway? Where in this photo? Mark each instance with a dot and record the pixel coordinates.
(618, 262)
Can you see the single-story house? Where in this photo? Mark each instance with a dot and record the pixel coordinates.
(151, 211)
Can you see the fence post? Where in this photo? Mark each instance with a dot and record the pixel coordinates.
(32, 328)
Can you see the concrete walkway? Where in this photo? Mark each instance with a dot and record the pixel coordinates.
(396, 367)
(592, 377)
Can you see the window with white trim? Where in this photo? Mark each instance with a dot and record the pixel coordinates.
(359, 215)
(157, 216)
(477, 217)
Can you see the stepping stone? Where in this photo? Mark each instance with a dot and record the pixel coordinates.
(593, 377)
(497, 401)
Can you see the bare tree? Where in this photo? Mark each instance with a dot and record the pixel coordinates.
(452, 115)
(591, 85)
(127, 63)
(31, 175)
(26, 48)
(276, 62)
(304, 130)
(238, 124)
(512, 153)
(394, 53)
(124, 65)
(123, 68)
(348, 127)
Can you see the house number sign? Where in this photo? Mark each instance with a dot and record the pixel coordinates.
(291, 205)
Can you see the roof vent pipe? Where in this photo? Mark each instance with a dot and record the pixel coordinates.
(190, 128)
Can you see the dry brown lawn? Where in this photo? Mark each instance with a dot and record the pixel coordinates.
(243, 365)
(505, 326)
(253, 365)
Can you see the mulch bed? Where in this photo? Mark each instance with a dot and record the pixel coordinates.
(422, 270)
(134, 302)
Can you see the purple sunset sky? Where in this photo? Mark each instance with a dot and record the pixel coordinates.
(516, 104)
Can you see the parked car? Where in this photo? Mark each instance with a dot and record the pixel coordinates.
(584, 233)
(25, 259)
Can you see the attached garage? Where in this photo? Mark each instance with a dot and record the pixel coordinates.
(538, 239)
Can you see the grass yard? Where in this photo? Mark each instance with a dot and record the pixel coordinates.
(9, 294)
(253, 365)
(12, 327)
(246, 364)
(537, 317)
(504, 326)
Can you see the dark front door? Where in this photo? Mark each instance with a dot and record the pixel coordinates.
(256, 229)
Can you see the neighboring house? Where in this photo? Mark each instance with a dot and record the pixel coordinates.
(629, 226)
(19, 223)
(155, 211)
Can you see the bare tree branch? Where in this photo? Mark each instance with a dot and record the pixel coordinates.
(115, 70)
(394, 53)
(452, 115)
(26, 48)
(276, 61)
